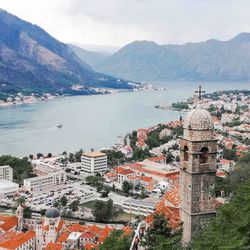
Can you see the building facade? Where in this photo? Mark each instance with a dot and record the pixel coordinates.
(43, 182)
(198, 149)
(94, 162)
(8, 188)
(6, 172)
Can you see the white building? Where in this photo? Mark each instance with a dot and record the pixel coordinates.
(75, 167)
(8, 187)
(46, 165)
(94, 162)
(140, 207)
(43, 182)
(6, 172)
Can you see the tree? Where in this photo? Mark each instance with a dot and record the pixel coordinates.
(229, 154)
(42, 211)
(27, 213)
(159, 234)
(78, 155)
(103, 211)
(175, 146)
(109, 209)
(99, 210)
(56, 204)
(230, 228)
(31, 157)
(49, 155)
(177, 158)
(127, 187)
(117, 241)
(115, 158)
(241, 173)
(169, 158)
(64, 200)
(21, 167)
(39, 155)
(105, 192)
(74, 205)
(71, 158)
(140, 154)
(21, 200)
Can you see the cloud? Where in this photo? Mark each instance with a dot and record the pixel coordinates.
(118, 22)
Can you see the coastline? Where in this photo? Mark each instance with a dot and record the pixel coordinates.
(20, 99)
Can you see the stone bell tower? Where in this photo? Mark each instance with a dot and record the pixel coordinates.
(198, 149)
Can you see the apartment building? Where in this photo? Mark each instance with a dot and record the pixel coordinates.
(6, 172)
(43, 182)
(94, 162)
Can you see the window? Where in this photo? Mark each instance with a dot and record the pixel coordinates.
(204, 155)
(185, 153)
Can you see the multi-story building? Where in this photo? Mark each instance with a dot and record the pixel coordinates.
(6, 172)
(94, 162)
(43, 182)
(46, 165)
(8, 187)
(140, 207)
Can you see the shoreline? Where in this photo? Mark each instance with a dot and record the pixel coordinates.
(35, 98)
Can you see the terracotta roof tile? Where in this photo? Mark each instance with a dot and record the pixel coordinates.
(54, 246)
(64, 236)
(157, 158)
(124, 171)
(18, 240)
(91, 246)
(9, 222)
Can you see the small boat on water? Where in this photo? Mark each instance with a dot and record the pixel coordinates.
(59, 126)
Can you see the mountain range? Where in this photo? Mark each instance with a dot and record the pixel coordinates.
(92, 57)
(212, 60)
(32, 60)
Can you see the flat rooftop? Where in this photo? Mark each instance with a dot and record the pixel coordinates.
(160, 167)
(148, 202)
(5, 166)
(5, 184)
(94, 154)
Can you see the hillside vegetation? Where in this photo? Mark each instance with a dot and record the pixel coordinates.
(212, 60)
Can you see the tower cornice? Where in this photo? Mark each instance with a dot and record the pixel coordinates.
(206, 140)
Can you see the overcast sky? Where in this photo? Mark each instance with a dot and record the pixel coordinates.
(118, 22)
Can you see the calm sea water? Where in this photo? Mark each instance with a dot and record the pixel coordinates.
(90, 121)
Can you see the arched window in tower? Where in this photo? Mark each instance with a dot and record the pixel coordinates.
(204, 155)
(185, 153)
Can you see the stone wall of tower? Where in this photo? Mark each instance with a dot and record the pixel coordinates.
(194, 153)
(193, 224)
(198, 135)
(197, 178)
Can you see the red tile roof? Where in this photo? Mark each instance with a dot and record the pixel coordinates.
(157, 158)
(124, 171)
(88, 235)
(18, 240)
(225, 161)
(54, 246)
(171, 212)
(9, 222)
(91, 246)
(146, 178)
(221, 174)
(64, 236)
(127, 230)
(173, 196)
(104, 234)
